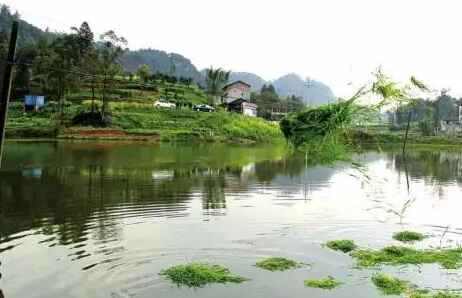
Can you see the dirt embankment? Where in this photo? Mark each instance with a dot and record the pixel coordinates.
(105, 133)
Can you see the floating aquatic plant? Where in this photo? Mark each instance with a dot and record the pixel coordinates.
(342, 245)
(399, 255)
(408, 236)
(277, 264)
(324, 283)
(389, 285)
(200, 274)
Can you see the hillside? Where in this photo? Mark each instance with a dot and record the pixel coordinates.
(27, 33)
(160, 61)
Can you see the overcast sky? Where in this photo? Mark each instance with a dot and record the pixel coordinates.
(335, 41)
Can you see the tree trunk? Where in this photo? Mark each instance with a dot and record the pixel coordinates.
(409, 115)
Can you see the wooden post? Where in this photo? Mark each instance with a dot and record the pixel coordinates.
(6, 86)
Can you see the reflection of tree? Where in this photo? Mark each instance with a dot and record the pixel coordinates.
(214, 192)
(433, 166)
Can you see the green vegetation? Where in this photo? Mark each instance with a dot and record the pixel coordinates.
(440, 294)
(200, 274)
(277, 264)
(398, 255)
(342, 245)
(389, 285)
(325, 283)
(408, 236)
(215, 80)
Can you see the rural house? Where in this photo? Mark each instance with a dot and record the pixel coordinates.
(237, 98)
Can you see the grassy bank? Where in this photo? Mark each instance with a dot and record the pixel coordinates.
(137, 119)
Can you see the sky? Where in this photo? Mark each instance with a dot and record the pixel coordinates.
(338, 42)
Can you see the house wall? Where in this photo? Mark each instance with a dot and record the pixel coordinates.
(237, 91)
(249, 110)
(450, 127)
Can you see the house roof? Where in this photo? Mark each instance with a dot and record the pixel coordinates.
(240, 101)
(236, 82)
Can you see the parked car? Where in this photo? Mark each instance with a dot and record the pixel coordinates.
(203, 108)
(164, 104)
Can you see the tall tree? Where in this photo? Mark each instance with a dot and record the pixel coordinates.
(111, 50)
(215, 80)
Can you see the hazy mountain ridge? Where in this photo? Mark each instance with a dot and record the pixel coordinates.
(161, 61)
(312, 92)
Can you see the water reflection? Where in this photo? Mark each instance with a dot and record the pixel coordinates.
(108, 205)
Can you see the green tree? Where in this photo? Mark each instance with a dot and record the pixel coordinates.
(109, 53)
(215, 81)
(144, 73)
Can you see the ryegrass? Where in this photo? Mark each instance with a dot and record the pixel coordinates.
(408, 236)
(325, 283)
(200, 274)
(389, 285)
(399, 255)
(277, 264)
(345, 246)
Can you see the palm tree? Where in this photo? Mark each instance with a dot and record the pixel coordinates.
(215, 80)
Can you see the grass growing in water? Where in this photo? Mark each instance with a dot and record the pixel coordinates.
(277, 264)
(200, 274)
(426, 294)
(389, 285)
(408, 236)
(399, 255)
(342, 245)
(324, 283)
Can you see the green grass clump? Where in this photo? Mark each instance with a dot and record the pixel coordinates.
(399, 255)
(277, 264)
(427, 294)
(389, 285)
(342, 245)
(325, 283)
(408, 236)
(200, 274)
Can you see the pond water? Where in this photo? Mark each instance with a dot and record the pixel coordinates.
(103, 219)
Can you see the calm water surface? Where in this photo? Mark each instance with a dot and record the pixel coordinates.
(102, 219)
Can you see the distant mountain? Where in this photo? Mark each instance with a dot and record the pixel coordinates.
(28, 34)
(160, 61)
(254, 80)
(312, 92)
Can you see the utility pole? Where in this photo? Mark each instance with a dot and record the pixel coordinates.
(6, 86)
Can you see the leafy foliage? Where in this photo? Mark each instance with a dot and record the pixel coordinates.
(200, 274)
(215, 81)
